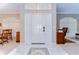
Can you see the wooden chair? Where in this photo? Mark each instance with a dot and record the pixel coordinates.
(65, 29)
(1, 39)
(9, 33)
(5, 35)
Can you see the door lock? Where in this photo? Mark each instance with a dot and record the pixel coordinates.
(43, 28)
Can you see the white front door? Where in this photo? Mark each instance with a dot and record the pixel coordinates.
(41, 27)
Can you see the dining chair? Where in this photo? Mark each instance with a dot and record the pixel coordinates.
(1, 39)
(5, 35)
(9, 33)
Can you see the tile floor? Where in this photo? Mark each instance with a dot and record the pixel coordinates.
(71, 48)
(24, 49)
(7, 47)
(61, 49)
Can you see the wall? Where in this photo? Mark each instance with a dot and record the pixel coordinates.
(68, 7)
(22, 25)
(54, 23)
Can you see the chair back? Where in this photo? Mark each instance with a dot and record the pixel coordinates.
(65, 29)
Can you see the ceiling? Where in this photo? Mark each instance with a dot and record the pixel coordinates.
(68, 7)
(10, 7)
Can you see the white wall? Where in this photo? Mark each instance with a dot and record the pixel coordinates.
(22, 26)
(54, 23)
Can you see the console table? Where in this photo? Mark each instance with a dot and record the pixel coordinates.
(17, 36)
(60, 38)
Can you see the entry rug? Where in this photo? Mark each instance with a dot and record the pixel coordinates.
(38, 51)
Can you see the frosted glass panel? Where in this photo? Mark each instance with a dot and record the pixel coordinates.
(38, 6)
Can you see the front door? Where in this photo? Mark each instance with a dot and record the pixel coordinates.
(41, 27)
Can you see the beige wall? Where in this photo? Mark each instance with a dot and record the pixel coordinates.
(10, 21)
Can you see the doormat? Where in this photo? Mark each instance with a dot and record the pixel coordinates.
(38, 51)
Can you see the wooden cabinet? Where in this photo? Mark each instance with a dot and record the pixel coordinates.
(17, 36)
(60, 38)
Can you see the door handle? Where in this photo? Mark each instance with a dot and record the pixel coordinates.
(43, 28)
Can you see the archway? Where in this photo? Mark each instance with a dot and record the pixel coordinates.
(71, 23)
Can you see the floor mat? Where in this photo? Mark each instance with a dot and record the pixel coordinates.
(38, 51)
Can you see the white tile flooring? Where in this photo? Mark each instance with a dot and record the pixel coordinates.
(61, 49)
(7, 47)
(24, 50)
(13, 48)
(71, 48)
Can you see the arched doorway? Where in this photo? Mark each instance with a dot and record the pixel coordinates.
(71, 23)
